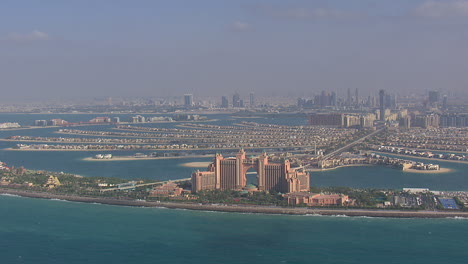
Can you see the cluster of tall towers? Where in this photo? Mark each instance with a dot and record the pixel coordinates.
(237, 102)
(230, 174)
(351, 100)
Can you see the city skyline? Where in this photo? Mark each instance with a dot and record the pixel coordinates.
(271, 48)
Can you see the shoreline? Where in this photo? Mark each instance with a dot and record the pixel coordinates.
(102, 150)
(16, 129)
(341, 166)
(77, 142)
(441, 170)
(127, 158)
(416, 157)
(438, 150)
(196, 164)
(241, 208)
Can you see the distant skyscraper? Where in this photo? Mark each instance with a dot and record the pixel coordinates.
(333, 99)
(252, 100)
(236, 100)
(224, 102)
(434, 97)
(188, 100)
(390, 101)
(382, 104)
(356, 95)
(445, 102)
(348, 100)
(323, 99)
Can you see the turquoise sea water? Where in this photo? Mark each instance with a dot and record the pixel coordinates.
(49, 231)
(42, 231)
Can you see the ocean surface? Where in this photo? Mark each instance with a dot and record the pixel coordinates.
(44, 231)
(51, 231)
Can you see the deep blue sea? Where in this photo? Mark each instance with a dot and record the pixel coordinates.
(42, 231)
(50, 231)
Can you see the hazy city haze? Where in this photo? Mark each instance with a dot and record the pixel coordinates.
(66, 49)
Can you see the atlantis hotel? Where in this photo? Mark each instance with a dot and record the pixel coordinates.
(230, 174)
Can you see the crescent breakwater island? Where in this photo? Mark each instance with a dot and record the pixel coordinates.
(242, 208)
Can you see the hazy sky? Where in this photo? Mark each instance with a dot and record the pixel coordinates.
(276, 47)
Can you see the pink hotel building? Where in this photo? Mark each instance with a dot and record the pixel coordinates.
(229, 174)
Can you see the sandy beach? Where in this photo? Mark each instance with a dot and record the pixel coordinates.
(441, 170)
(243, 208)
(196, 164)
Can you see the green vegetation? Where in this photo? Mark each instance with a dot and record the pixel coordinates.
(237, 197)
(460, 204)
(365, 198)
(70, 184)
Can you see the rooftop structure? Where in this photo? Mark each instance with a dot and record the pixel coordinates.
(314, 199)
(169, 189)
(52, 182)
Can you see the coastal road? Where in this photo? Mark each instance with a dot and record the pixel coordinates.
(360, 140)
(244, 209)
(143, 185)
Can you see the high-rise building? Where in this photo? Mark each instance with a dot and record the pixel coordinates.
(405, 122)
(434, 97)
(236, 102)
(445, 102)
(382, 104)
(426, 121)
(329, 119)
(188, 100)
(224, 102)
(348, 100)
(390, 101)
(252, 100)
(356, 95)
(333, 99)
(454, 120)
